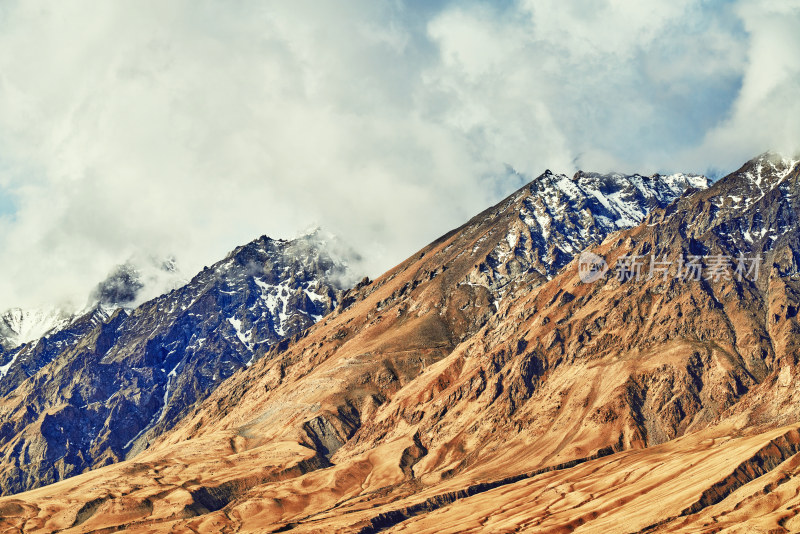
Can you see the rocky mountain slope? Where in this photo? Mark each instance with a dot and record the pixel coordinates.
(247, 314)
(555, 217)
(443, 378)
(27, 359)
(102, 388)
(470, 389)
(31, 338)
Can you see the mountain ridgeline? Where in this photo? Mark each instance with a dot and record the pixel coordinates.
(480, 385)
(101, 387)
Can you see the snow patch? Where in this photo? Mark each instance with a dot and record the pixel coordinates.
(244, 337)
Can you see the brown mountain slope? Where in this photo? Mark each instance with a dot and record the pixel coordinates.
(421, 404)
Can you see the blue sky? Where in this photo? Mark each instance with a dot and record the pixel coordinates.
(7, 206)
(184, 128)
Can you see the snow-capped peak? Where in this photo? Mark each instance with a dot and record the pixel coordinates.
(679, 182)
(18, 326)
(558, 217)
(772, 165)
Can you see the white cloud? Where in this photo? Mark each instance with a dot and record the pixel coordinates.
(185, 128)
(589, 83)
(764, 114)
(189, 129)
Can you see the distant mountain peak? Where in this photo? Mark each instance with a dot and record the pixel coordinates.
(128, 373)
(120, 287)
(18, 326)
(555, 217)
(768, 169)
(138, 279)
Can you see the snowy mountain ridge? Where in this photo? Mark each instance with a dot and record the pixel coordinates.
(121, 382)
(18, 326)
(756, 179)
(115, 379)
(126, 286)
(558, 216)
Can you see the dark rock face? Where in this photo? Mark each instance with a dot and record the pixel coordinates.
(31, 338)
(135, 281)
(121, 286)
(105, 387)
(28, 359)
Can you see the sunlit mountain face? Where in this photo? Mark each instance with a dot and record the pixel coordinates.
(454, 391)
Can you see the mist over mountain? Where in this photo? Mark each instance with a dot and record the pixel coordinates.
(126, 286)
(453, 390)
(135, 133)
(132, 283)
(380, 267)
(102, 385)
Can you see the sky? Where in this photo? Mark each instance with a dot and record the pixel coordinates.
(185, 128)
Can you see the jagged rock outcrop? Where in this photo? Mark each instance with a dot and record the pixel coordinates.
(555, 217)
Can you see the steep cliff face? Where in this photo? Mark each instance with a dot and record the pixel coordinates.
(105, 386)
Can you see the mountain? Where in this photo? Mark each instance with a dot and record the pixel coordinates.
(127, 377)
(135, 281)
(673, 403)
(123, 287)
(555, 217)
(31, 338)
(25, 360)
(449, 375)
(18, 326)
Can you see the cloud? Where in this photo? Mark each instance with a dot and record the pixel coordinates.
(762, 117)
(598, 84)
(184, 128)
